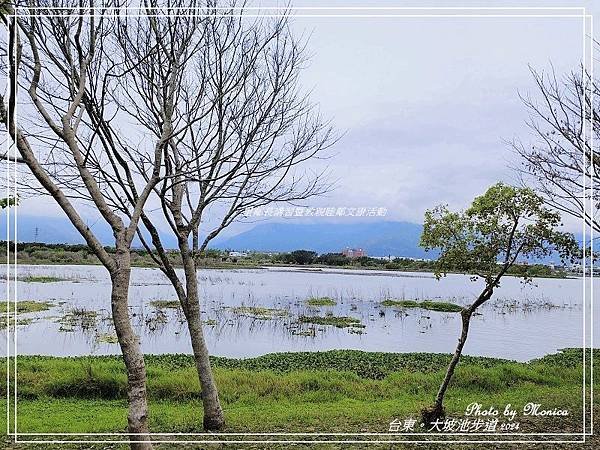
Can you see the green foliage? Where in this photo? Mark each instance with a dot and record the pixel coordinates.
(408, 264)
(432, 306)
(535, 271)
(212, 254)
(8, 201)
(500, 226)
(333, 259)
(303, 256)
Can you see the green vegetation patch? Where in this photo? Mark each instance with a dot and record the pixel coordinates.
(336, 391)
(164, 304)
(321, 301)
(24, 321)
(42, 279)
(107, 338)
(401, 303)
(568, 357)
(25, 306)
(259, 312)
(78, 319)
(432, 306)
(172, 376)
(336, 321)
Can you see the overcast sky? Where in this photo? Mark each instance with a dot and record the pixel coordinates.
(424, 104)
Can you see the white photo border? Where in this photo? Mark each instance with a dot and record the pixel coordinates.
(356, 12)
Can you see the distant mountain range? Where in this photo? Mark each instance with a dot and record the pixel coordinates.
(52, 230)
(59, 230)
(376, 238)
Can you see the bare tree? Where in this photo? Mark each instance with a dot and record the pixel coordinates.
(72, 69)
(560, 162)
(220, 100)
(245, 128)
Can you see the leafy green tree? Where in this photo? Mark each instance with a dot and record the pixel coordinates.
(333, 259)
(303, 256)
(500, 226)
(8, 201)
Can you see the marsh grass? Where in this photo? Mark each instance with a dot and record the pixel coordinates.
(259, 312)
(78, 319)
(164, 304)
(336, 321)
(41, 279)
(25, 306)
(22, 321)
(321, 301)
(339, 391)
(107, 338)
(430, 305)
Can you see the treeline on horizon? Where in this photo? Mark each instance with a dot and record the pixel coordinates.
(43, 253)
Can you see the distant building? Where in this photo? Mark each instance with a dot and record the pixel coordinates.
(238, 255)
(353, 252)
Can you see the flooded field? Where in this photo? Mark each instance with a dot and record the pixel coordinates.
(258, 311)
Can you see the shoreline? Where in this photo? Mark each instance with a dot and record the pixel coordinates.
(297, 268)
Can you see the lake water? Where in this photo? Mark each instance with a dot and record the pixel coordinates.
(520, 322)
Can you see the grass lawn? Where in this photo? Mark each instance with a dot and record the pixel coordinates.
(337, 391)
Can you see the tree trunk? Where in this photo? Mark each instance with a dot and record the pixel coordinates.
(466, 319)
(137, 416)
(430, 415)
(213, 413)
(437, 410)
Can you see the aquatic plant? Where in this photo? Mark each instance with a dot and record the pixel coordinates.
(5, 320)
(41, 279)
(321, 301)
(107, 338)
(259, 312)
(310, 332)
(430, 305)
(78, 318)
(163, 304)
(336, 321)
(25, 306)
